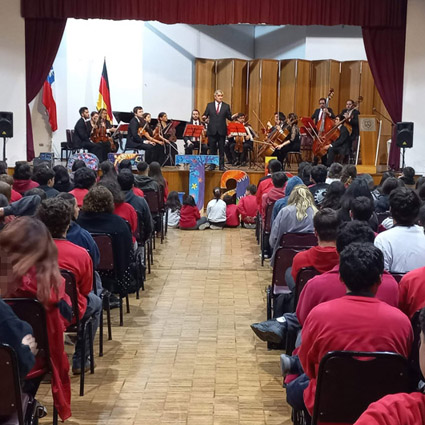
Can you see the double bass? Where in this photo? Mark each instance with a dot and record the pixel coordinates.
(326, 132)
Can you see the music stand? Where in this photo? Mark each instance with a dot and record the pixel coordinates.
(192, 130)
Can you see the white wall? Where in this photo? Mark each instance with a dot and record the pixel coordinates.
(414, 83)
(12, 77)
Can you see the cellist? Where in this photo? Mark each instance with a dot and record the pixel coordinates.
(342, 145)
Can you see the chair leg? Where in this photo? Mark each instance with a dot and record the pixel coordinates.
(83, 360)
(55, 416)
(154, 244)
(152, 248)
(148, 255)
(162, 227)
(91, 348)
(101, 333)
(108, 317)
(127, 302)
(121, 312)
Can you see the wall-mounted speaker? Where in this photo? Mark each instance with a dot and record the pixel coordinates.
(404, 134)
(6, 124)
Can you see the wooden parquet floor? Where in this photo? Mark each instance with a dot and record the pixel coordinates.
(186, 353)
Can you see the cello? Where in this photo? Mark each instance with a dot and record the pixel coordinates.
(325, 130)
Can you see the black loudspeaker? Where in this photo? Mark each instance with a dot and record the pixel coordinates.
(405, 134)
(6, 124)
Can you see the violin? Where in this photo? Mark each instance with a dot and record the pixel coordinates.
(99, 134)
(143, 132)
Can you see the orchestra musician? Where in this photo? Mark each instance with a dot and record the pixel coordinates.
(342, 145)
(292, 142)
(322, 109)
(136, 140)
(104, 122)
(157, 153)
(351, 115)
(168, 135)
(279, 122)
(217, 112)
(191, 143)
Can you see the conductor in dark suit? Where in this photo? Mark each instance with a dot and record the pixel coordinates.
(82, 130)
(318, 113)
(217, 112)
(342, 145)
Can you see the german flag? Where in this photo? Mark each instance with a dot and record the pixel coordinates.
(104, 99)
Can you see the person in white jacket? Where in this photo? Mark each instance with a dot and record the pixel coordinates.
(216, 211)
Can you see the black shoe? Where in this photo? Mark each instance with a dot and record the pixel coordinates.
(269, 331)
(211, 167)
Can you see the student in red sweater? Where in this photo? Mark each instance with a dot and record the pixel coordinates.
(412, 291)
(248, 207)
(190, 219)
(84, 179)
(265, 184)
(356, 322)
(22, 177)
(402, 408)
(232, 216)
(56, 214)
(276, 192)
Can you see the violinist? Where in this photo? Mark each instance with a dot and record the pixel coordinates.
(134, 139)
(322, 111)
(351, 115)
(100, 149)
(104, 122)
(342, 145)
(292, 142)
(191, 143)
(168, 135)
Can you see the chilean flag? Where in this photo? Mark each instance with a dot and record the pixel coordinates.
(104, 99)
(49, 101)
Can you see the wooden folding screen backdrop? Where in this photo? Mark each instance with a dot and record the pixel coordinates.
(264, 86)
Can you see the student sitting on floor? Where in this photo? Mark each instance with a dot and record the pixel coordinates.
(216, 211)
(190, 219)
(402, 408)
(232, 216)
(248, 207)
(173, 205)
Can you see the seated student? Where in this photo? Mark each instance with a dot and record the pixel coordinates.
(173, 206)
(126, 181)
(96, 216)
(412, 291)
(279, 180)
(326, 287)
(76, 165)
(401, 408)
(22, 177)
(382, 204)
(14, 195)
(304, 172)
(296, 217)
(216, 211)
(32, 255)
(248, 208)
(348, 174)
(62, 180)
(190, 219)
(265, 184)
(156, 174)
(56, 214)
(18, 334)
(334, 173)
(408, 177)
(142, 180)
(25, 206)
(84, 179)
(283, 202)
(362, 209)
(45, 177)
(319, 187)
(403, 246)
(357, 321)
(333, 196)
(322, 257)
(232, 216)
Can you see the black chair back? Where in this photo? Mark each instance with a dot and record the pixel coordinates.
(298, 240)
(348, 381)
(382, 216)
(152, 198)
(267, 227)
(71, 290)
(304, 275)
(397, 276)
(10, 388)
(282, 260)
(104, 243)
(415, 370)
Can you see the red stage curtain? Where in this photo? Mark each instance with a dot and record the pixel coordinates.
(42, 39)
(385, 53)
(215, 12)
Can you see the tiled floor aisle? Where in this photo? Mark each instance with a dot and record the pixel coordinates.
(186, 354)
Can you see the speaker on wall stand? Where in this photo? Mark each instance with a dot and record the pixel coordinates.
(6, 129)
(404, 138)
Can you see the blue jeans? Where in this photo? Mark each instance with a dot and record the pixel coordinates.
(295, 392)
(94, 308)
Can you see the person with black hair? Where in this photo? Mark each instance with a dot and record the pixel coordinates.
(383, 202)
(362, 209)
(342, 145)
(124, 164)
(3, 167)
(191, 143)
(108, 171)
(403, 245)
(319, 187)
(22, 177)
(142, 180)
(14, 196)
(358, 187)
(248, 208)
(216, 211)
(265, 184)
(36, 191)
(126, 181)
(84, 179)
(232, 216)
(349, 174)
(334, 173)
(304, 172)
(62, 180)
(45, 177)
(56, 214)
(134, 140)
(357, 321)
(408, 177)
(156, 174)
(174, 206)
(279, 180)
(334, 195)
(400, 408)
(190, 219)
